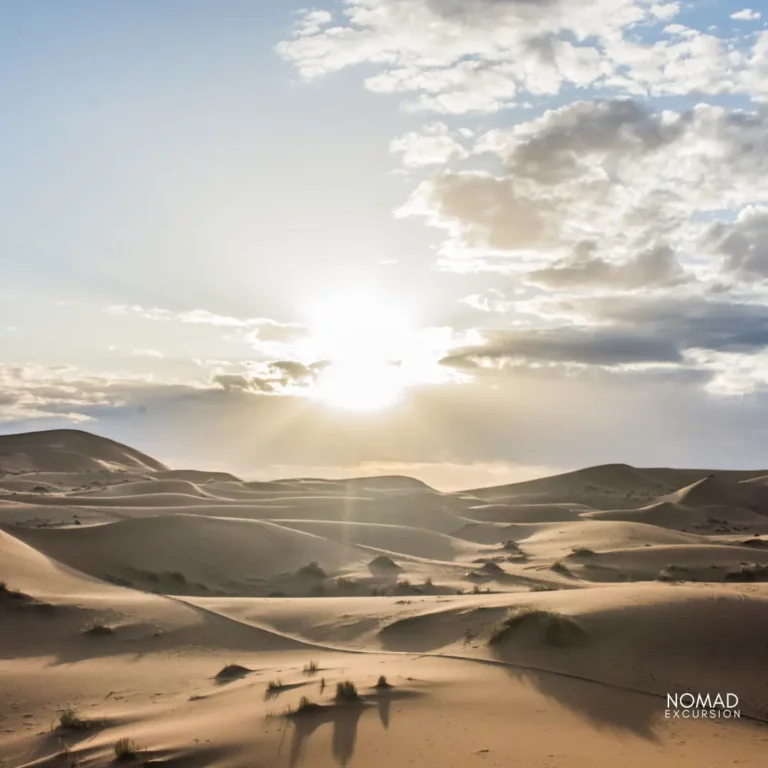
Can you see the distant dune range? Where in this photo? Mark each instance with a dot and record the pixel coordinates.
(569, 604)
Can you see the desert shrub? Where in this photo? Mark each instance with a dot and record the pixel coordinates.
(748, 572)
(555, 629)
(346, 691)
(675, 573)
(69, 720)
(476, 589)
(306, 706)
(382, 682)
(345, 584)
(544, 588)
(311, 668)
(126, 749)
(560, 567)
(582, 552)
(98, 628)
(322, 684)
(313, 570)
(510, 546)
(428, 582)
(274, 685)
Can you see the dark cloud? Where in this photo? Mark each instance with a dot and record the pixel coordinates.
(743, 244)
(558, 145)
(656, 267)
(602, 347)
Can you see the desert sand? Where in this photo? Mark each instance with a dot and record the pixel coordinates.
(192, 618)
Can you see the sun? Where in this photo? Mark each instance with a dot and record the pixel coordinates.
(363, 341)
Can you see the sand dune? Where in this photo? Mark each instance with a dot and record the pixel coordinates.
(69, 450)
(184, 552)
(567, 605)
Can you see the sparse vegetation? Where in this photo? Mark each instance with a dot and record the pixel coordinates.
(274, 685)
(555, 629)
(126, 749)
(560, 567)
(583, 552)
(428, 582)
(346, 584)
(347, 691)
(313, 570)
(675, 573)
(382, 683)
(476, 589)
(69, 720)
(306, 706)
(311, 668)
(748, 572)
(322, 684)
(98, 628)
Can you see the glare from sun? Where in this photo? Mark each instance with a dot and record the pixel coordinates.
(363, 341)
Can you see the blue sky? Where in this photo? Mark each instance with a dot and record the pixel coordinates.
(196, 196)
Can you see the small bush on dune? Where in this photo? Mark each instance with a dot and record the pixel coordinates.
(582, 552)
(555, 629)
(313, 570)
(69, 720)
(99, 629)
(306, 707)
(311, 668)
(748, 572)
(126, 749)
(560, 567)
(274, 685)
(347, 691)
(382, 682)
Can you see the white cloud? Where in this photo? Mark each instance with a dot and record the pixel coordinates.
(630, 184)
(482, 55)
(747, 14)
(433, 146)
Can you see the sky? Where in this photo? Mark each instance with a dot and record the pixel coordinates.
(471, 241)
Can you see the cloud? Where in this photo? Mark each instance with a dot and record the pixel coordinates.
(459, 56)
(466, 55)
(134, 352)
(483, 210)
(653, 268)
(433, 146)
(742, 243)
(634, 183)
(747, 14)
(602, 347)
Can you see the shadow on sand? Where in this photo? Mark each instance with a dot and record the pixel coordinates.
(344, 719)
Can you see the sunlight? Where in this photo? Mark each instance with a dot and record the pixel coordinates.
(364, 342)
